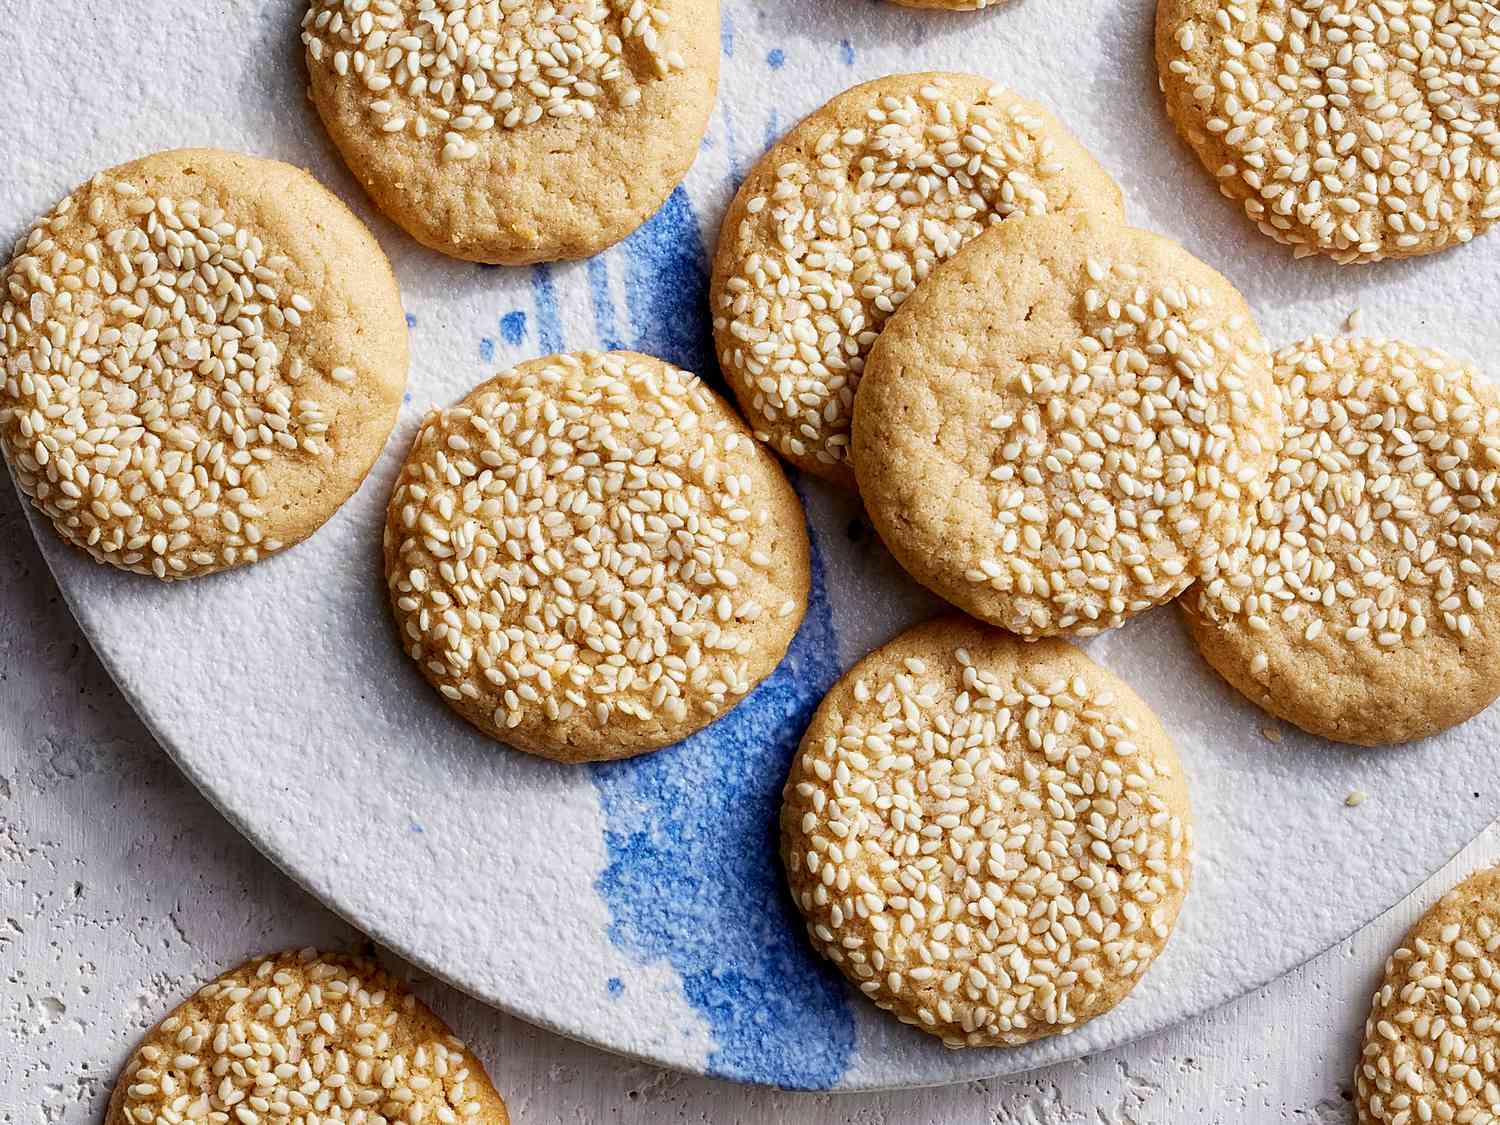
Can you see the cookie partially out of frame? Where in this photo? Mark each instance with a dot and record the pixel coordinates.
(1357, 130)
(1364, 606)
(1064, 424)
(524, 132)
(1430, 1048)
(203, 354)
(589, 557)
(304, 1036)
(845, 215)
(989, 837)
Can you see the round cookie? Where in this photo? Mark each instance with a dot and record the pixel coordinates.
(991, 838)
(203, 354)
(1364, 603)
(303, 1036)
(1063, 423)
(846, 214)
(524, 132)
(1358, 130)
(590, 557)
(1431, 1045)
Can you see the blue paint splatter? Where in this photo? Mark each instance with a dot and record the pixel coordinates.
(773, 128)
(693, 878)
(846, 52)
(549, 334)
(666, 275)
(513, 327)
(777, 58)
(726, 37)
(615, 986)
(486, 349)
(411, 320)
(603, 302)
(415, 827)
(406, 397)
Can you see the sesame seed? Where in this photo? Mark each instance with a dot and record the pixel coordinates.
(983, 840)
(1355, 798)
(454, 73)
(846, 216)
(587, 543)
(1358, 128)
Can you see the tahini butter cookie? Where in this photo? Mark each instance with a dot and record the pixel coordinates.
(1361, 130)
(847, 213)
(590, 557)
(1365, 604)
(302, 1037)
(1431, 1050)
(521, 131)
(1064, 423)
(989, 837)
(951, 5)
(203, 354)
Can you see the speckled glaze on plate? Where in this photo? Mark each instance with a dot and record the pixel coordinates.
(638, 905)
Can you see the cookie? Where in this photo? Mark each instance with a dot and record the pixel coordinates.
(991, 838)
(519, 132)
(1431, 1046)
(846, 214)
(1063, 423)
(203, 354)
(1357, 130)
(304, 1036)
(590, 557)
(1364, 605)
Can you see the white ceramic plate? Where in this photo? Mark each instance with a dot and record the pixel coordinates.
(639, 905)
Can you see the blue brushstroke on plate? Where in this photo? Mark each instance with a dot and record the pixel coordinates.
(604, 303)
(726, 36)
(692, 875)
(777, 58)
(486, 349)
(615, 986)
(549, 334)
(846, 52)
(666, 282)
(411, 320)
(513, 327)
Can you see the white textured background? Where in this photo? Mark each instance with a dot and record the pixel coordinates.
(120, 887)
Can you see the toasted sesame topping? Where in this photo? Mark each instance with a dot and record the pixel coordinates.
(593, 543)
(1356, 798)
(850, 222)
(1379, 530)
(989, 844)
(1355, 128)
(1431, 1053)
(304, 1039)
(155, 387)
(1115, 460)
(453, 71)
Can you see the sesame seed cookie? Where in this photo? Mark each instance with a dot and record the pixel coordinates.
(515, 131)
(1431, 1044)
(1360, 129)
(590, 557)
(846, 214)
(1063, 423)
(1363, 605)
(304, 1037)
(991, 838)
(203, 354)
